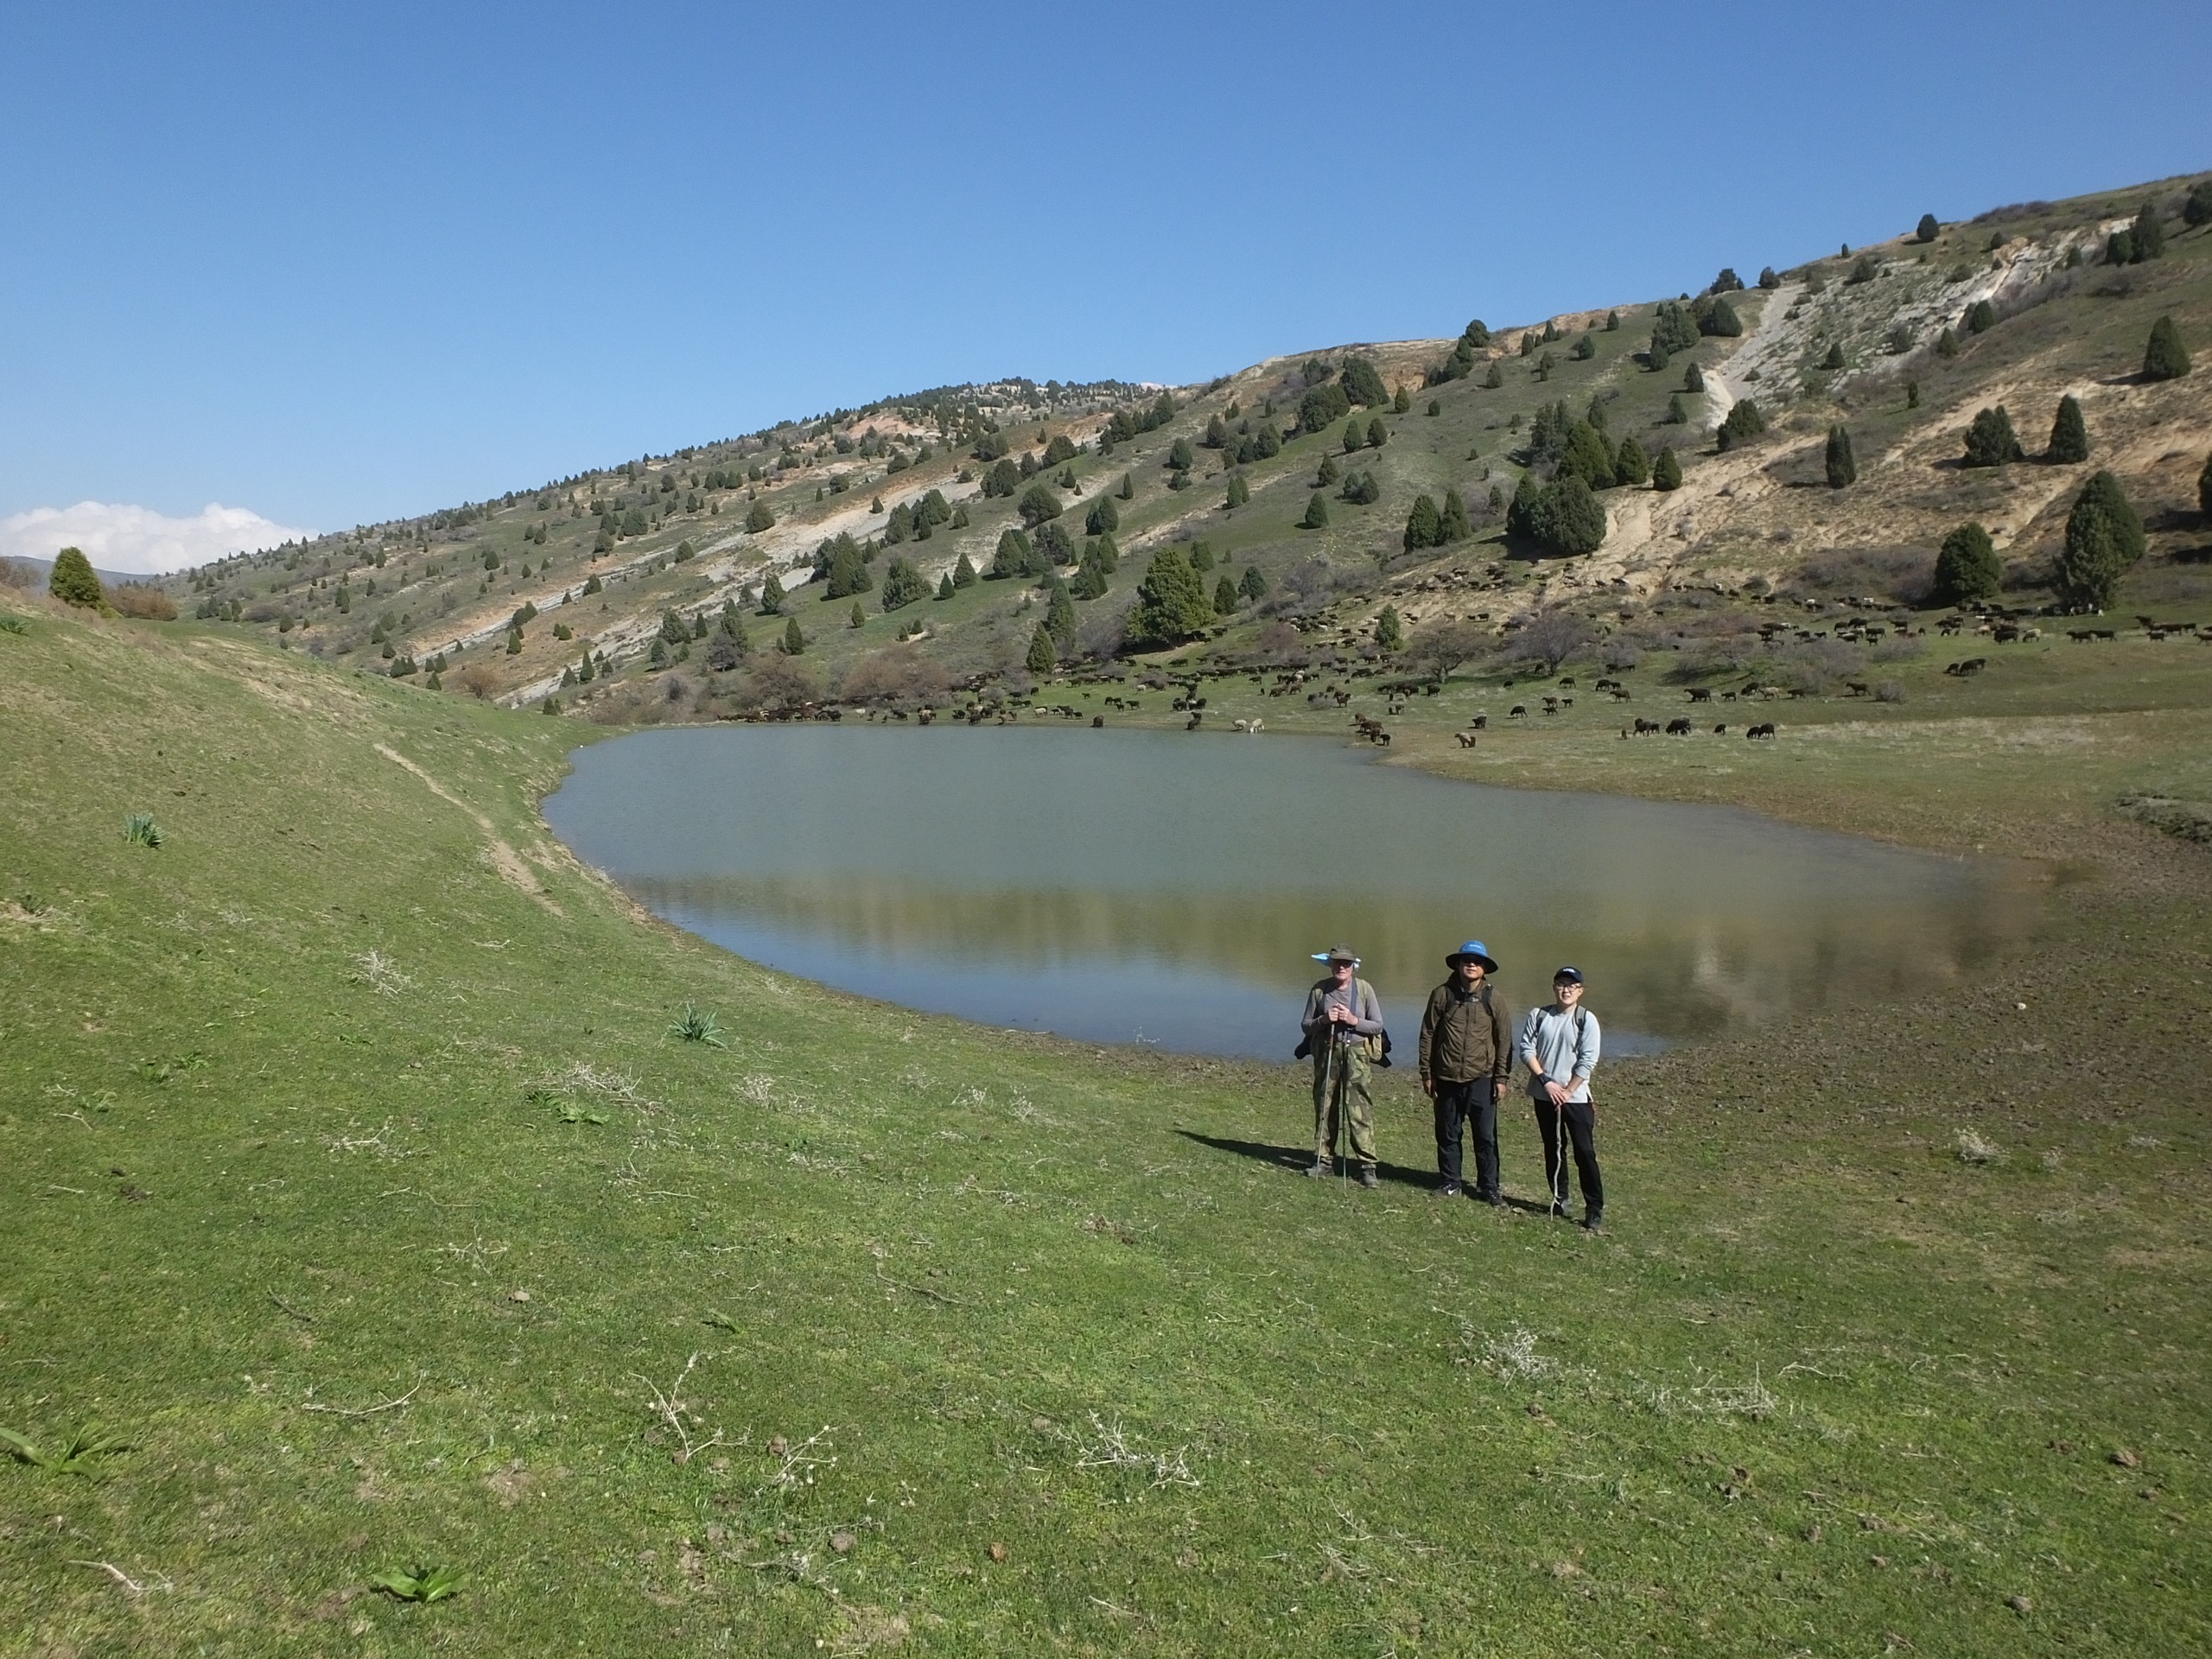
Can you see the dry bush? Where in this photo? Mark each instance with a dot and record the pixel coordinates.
(1904, 574)
(147, 604)
(480, 680)
(778, 682)
(13, 574)
(1816, 665)
(898, 674)
(1548, 639)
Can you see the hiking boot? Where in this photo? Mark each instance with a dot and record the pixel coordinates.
(1368, 1177)
(1495, 1200)
(1322, 1169)
(1594, 1222)
(1449, 1189)
(1558, 1209)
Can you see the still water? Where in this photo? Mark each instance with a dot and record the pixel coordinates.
(1155, 887)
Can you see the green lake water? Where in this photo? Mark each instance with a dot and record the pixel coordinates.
(1165, 888)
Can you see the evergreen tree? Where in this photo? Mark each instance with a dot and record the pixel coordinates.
(1584, 349)
(1834, 358)
(1727, 281)
(1004, 478)
(1667, 472)
(1389, 633)
(794, 638)
(1055, 547)
(1678, 413)
(1128, 490)
(1843, 467)
(2149, 234)
(1991, 441)
(1378, 433)
(1252, 584)
(1225, 599)
(1770, 278)
(1363, 385)
(1613, 322)
(2104, 540)
(1038, 504)
(2069, 434)
(1744, 422)
(73, 582)
(1496, 378)
(1631, 467)
(1455, 527)
(1323, 405)
(1109, 556)
(1103, 518)
(2164, 357)
(2204, 489)
(1059, 451)
(1042, 657)
(1401, 402)
(1317, 513)
(1355, 437)
(1946, 343)
(1912, 394)
(2197, 209)
(876, 504)
(1521, 516)
(944, 586)
(1967, 567)
(859, 618)
(1587, 456)
(1172, 604)
(1692, 378)
(1179, 455)
(1424, 526)
(1568, 519)
(1929, 229)
(760, 517)
(1239, 493)
(963, 574)
(1326, 474)
(1090, 578)
(903, 585)
(1059, 615)
(1981, 317)
(771, 595)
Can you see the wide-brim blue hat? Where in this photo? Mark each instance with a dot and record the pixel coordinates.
(1337, 953)
(1475, 950)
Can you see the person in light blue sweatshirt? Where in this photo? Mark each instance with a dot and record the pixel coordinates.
(1559, 1045)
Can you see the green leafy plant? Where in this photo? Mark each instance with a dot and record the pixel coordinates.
(140, 830)
(695, 1024)
(78, 1455)
(12, 625)
(422, 1584)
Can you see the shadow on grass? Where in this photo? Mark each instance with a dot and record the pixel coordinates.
(1297, 1158)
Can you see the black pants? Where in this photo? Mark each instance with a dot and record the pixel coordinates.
(1474, 1104)
(1581, 1126)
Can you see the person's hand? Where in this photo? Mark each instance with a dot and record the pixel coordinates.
(1428, 1088)
(1341, 1015)
(1558, 1091)
(1497, 1089)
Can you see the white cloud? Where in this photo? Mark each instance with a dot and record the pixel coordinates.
(137, 541)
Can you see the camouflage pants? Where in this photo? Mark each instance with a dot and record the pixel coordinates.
(1340, 1072)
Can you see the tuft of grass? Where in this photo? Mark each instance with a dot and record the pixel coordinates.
(422, 1584)
(696, 1025)
(80, 1454)
(12, 625)
(140, 830)
(1972, 1149)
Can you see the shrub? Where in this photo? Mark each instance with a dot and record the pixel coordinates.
(2069, 434)
(148, 604)
(1991, 441)
(1834, 358)
(1967, 567)
(1693, 379)
(140, 830)
(1549, 637)
(1378, 433)
(1727, 281)
(1666, 471)
(1104, 518)
(1744, 422)
(1587, 456)
(1039, 503)
(1769, 278)
(1717, 317)
(1363, 385)
(760, 517)
(1452, 521)
(794, 638)
(1225, 597)
(1981, 317)
(1389, 631)
(2164, 357)
(1584, 349)
(1929, 229)
(1317, 512)
(1323, 406)
(1673, 331)
(1630, 466)
(1841, 466)
(1042, 657)
(903, 584)
(1568, 519)
(1946, 343)
(72, 580)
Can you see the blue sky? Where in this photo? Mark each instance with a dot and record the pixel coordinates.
(339, 264)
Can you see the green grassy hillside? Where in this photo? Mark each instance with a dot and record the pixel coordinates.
(354, 1180)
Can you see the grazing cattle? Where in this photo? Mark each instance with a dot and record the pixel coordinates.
(1644, 726)
(1856, 687)
(1720, 730)
(1097, 720)
(1568, 682)
(1971, 666)
(1700, 694)
(1192, 724)
(2005, 634)
(926, 715)
(1518, 711)
(1479, 723)
(1764, 730)
(1618, 695)
(1679, 728)
(1551, 705)
(1464, 739)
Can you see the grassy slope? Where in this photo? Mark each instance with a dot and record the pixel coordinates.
(1822, 1382)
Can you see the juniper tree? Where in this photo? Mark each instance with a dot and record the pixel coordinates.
(1840, 465)
(1521, 516)
(1666, 471)
(1587, 456)
(2197, 209)
(1055, 547)
(1389, 633)
(1912, 394)
(1128, 490)
(1317, 512)
(1109, 556)
(903, 584)
(73, 582)
(1496, 378)
(1692, 378)
(1744, 422)
(1179, 455)
(1424, 526)
(963, 574)
(771, 595)
(1946, 343)
(944, 586)
(1326, 474)
(1929, 230)
(1981, 317)
(1727, 281)
(2069, 434)
(1238, 493)
(1225, 598)
(2204, 489)
(1967, 567)
(794, 637)
(1355, 437)
(1401, 403)
(1834, 358)
(1042, 657)
(1769, 278)
(1252, 584)
(1630, 466)
(1568, 519)
(1613, 322)
(1991, 441)
(2104, 540)
(1102, 518)
(2164, 357)
(1172, 604)
(1716, 317)
(1378, 433)
(1363, 385)
(1090, 578)
(1059, 615)
(1453, 525)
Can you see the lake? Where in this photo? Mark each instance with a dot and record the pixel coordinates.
(1165, 888)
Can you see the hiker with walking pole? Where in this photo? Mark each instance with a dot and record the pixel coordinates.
(1466, 1059)
(1342, 1024)
(1559, 1045)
